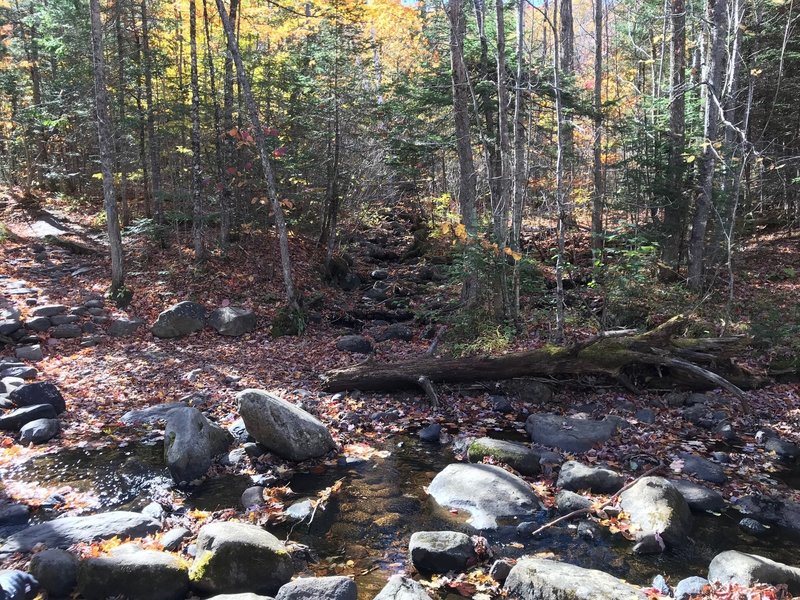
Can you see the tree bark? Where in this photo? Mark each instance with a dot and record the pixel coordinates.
(603, 355)
(597, 167)
(675, 210)
(705, 197)
(261, 142)
(229, 146)
(197, 162)
(520, 165)
(106, 149)
(153, 151)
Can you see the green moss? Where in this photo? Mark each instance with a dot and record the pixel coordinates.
(198, 569)
(288, 321)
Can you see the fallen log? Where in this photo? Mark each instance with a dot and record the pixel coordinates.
(611, 356)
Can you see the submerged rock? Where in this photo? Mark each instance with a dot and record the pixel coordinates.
(441, 551)
(238, 557)
(486, 491)
(191, 442)
(517, 456)
(65, 531)
(657, 508)
(541, 579)
(747, 569)
(569, 433)
(282, 427)
(137, 574)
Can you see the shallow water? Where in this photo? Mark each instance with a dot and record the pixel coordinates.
(365, 528)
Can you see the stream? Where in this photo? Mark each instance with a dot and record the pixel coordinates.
(365, 528)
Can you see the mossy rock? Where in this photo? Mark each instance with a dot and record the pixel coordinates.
(517, 456)
(239, 557)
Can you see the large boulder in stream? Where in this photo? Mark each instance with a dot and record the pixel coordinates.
(137, 574)
(401, 587)
(65, 531)
(180, 320)
(575, 476)
(515, 455)
(746, 569)
(569, 433)
(239, 557)
(486, 491)
(441, 551)
(191, 442)
(282, 427)
(657, 508)
(541, 579)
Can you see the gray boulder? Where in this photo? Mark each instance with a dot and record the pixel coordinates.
(395, 331)
(541, 579)
(32, 353)
(569, 433)
(702, 468)
(191, 442)
(9, 326)
(238, 557)
(179, 320)
(42, 392)
(124, 327)
(48, 310)
(357, 344)
(319, 588)
(567, 502)
(56, 570)
(699, 497)
(517, 456)
(402, 588)
(486, 491)
(65, 531)
(13, 420)
(14, 514)
(151, 414)
(746, 569)
(38, 431)
(137, 574)
(441, 551)
(575, 476)
(282, 427)
(656, 507)
(689, 587)
(66, 331)
(173, 538)
(21, 372)
(772, 510)
(232, 321)
(64, 319)
(245, 596)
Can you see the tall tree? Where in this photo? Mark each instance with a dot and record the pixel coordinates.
(106, 147)
(675, 209)
(229, 145)
(153, 148)
(197, 163)
(705, 196)
(597, 141)
(263, 151)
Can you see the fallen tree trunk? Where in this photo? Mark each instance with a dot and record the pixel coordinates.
(602, 355)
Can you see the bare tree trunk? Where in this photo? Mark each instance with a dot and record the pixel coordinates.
(106, 149)
(197, 159)
(567, 64)
(229, 147)
(212, 83)
(705, 196)
(155, 165)
(261, 142)
(467, 180)
(560, 204)
(597, 143)
(675, 210)
(121, 93)
(502, 209)
(141, 114)
(520, 165)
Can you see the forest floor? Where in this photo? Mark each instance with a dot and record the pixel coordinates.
(103, 382)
